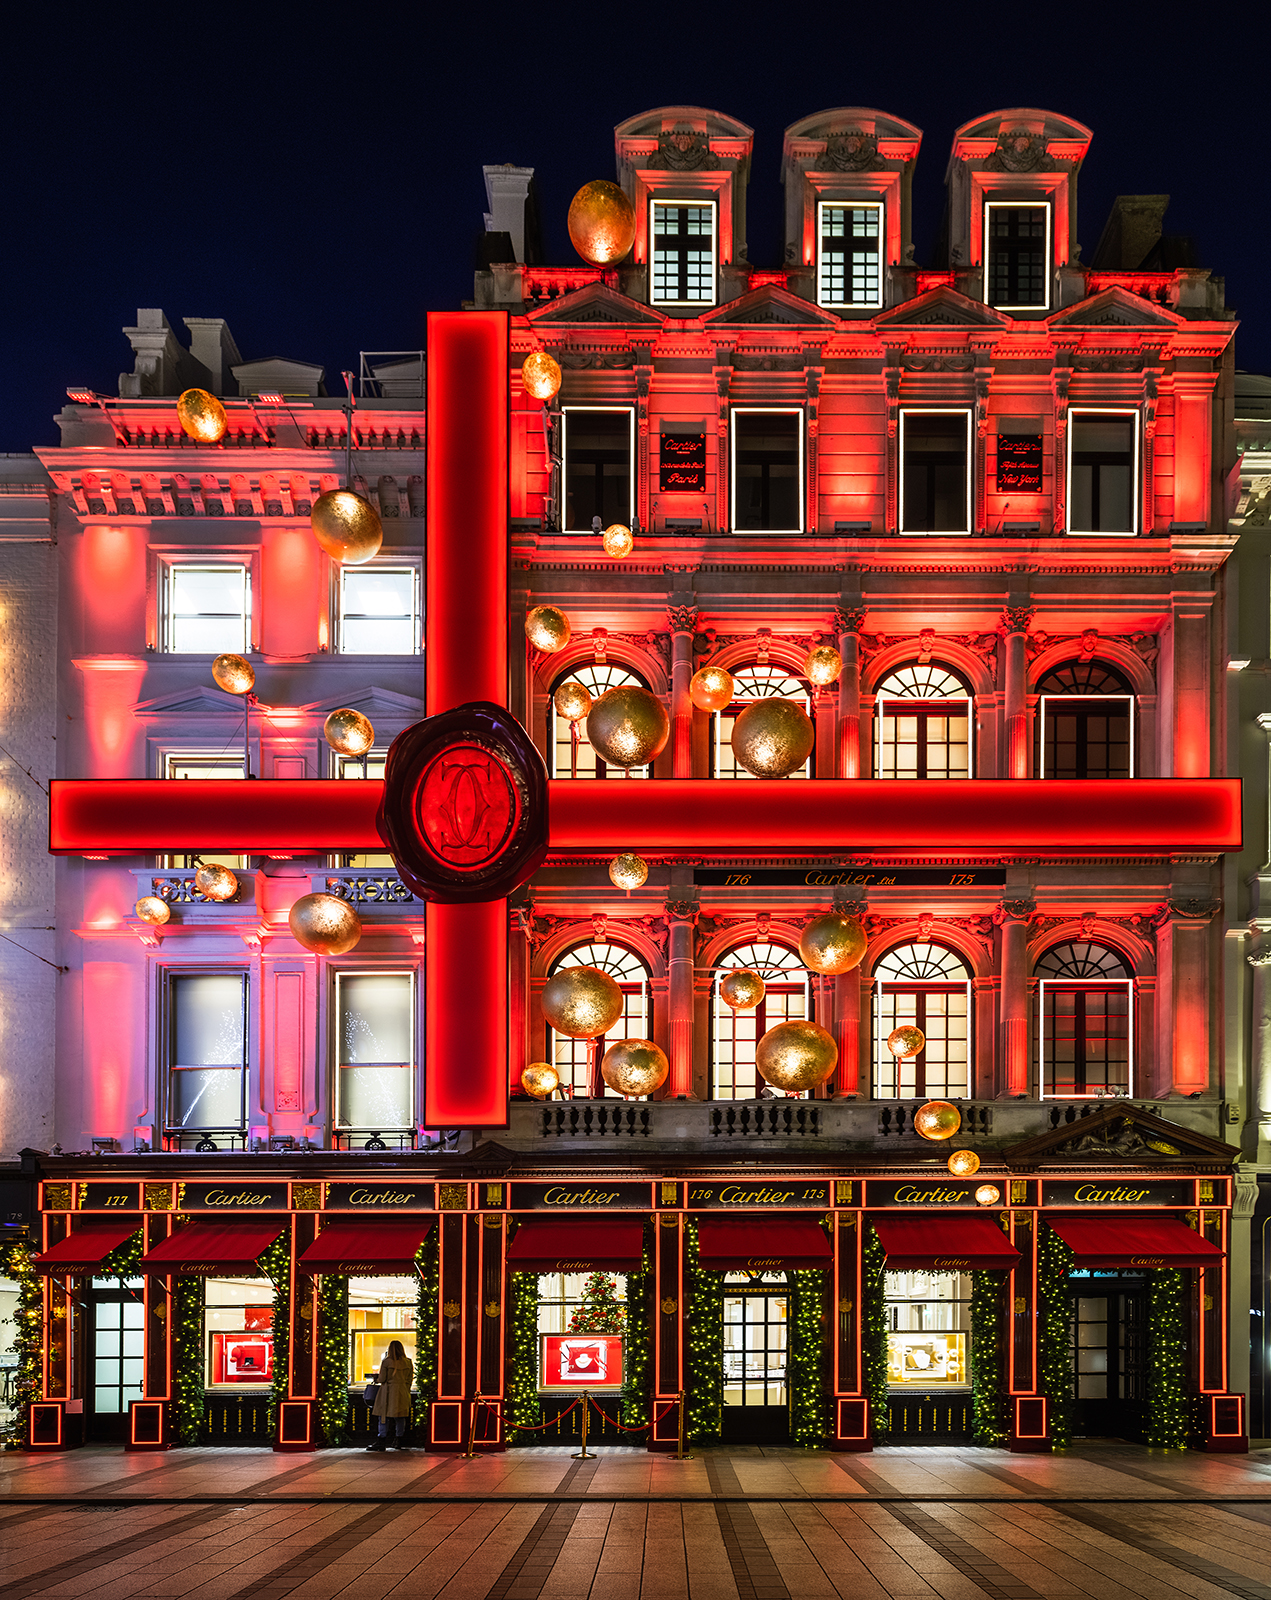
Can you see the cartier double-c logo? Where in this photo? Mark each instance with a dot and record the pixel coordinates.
(467, 805)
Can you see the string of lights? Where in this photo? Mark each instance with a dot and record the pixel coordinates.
(186, 1307)
(275, 1263)
(15, 1263)
(988, 1342)
(426, 1267)
(705, 1403)
(809, 1407)
(1168, 1423)
(1054, 1334)
(637, 1383)
(874, 1335)
(333, 1357)
(523, 1403)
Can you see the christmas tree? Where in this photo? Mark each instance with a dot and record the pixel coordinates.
(600, 1311)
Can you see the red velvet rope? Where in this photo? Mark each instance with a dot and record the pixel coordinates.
(622, 1426)
(525, 1427)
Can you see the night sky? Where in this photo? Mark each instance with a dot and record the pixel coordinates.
(315, 178)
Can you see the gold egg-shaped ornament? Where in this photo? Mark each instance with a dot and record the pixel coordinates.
(215, 882)
(773, 738)
(572, 701)
(833, 943)
(628, 871)
(540, 375)
(234, 674)
(601, 223)
(581, 1002)
(325, 924)
(346, 526)
(742, 989)
(348, 732)
(634, 1066)
(906, 1041)
(822, 665)
(938, 1119)
(202, 416)
(795, 1056)
(547, 628)
(540, 1079)
(962, 1163)
(988, 1194)
(618, 540)
(712, 689)
(153, 910)
(628, 726)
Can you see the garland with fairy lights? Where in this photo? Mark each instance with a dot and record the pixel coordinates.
(186, 1305)
(16, 1257)
(705, 1317)
(988, 1398)
(426, 1270)
(333, 1357)
(635, 1407)
(874, 1335)
(809, 1406)
(1168, 1424)
(1054, 1334)
(524, 1410)
(275, 1264)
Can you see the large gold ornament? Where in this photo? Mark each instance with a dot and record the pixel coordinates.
(832, 943)
(581, 1002)
(202, 416)
(324, 923)
(634, 1066)
(572, 701)
(348, 732)
(795, 1056)
(628, 871)
(742, 989)
(962, 1163)
(712, 689)
(938, 1119)
(906, 1041)
(772, 738)
(547, 629)
(988, 1194)
(540, 375)
(153, 910)
(601, 223)
(822, 665)
(215, 882)
(540, 1079)
(234, 674)
(618, 540)
(346, 526)
(628, 726)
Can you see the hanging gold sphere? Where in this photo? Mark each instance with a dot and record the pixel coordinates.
(153, 910)
(234, 674)
(202, 416)
(346, 526)
(906, 1041)
(618, 540)
(712, 689)
(634, 1066)
(601, 223)
(540, 1079)
(772, 738)
(832, 943)
(742, 989)
(540, 375)
(795, 1056)
(937, 1120)
(547, 629)
(962, 1163)
(628, 726)
(988, 1194)
(572, 701)
(822, 665)
(325, 924)
(215, 882)
(348, 732)
(581, 1002)
(628, 871)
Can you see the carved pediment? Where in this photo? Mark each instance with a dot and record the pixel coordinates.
(1119, 1132)
(942, 307)
(772, 304)
(380, 705)
(592, 304)
(1115, 307)
(196, 702)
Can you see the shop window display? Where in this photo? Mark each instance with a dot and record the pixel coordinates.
(928, 1330)
(239, 1333)
(380, 1310)
(582, 1319)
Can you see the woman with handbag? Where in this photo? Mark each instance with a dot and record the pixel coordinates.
(392, 1396)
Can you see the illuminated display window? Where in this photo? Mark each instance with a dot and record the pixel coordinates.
(928, 1329)
(357, 767)
(206, 606)
(202, 766)
(754, 683)
(734, 1034)
(578, 759)
(380, 1310)
(935, 473)
(1016, 251)
(1086, 721)
(682, 258)
(206, 1065)
(374, 1051)
(118, 1335)
(1086, 1000)
(574, 1058)
(756, 1339)
(379, 611)
(238, 1324)
(582, 1320)
(767, 456)
(923, 724)
(929, 987)
(599, 447)
(1103, 471)
(849, 269)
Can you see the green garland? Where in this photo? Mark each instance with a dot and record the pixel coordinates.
(988, 1388)
(637, 1384)
(1054, 1334)
(426, 1355)
(1167, 1405)
(705, 1318)
(333, 1358)
(28, 1340)
(524, 1410)
(809, 1407)
(186, 1306)
(275, 1264)
(874, 1335)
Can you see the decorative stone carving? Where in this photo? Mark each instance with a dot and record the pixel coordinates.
(683, 150)
(849, 619)
(1020, 151)
(682, 619)
(1192, 910)
(849, 151)
(1014, 911)
(596, 360)
(916, 361)
(1126, 1141)
(1016, 619)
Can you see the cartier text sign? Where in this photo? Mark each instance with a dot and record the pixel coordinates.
(756, 1194)
(917, 1192)
(234, 1199)
(1119, 1193)
(599, 1196)
(381, 1197)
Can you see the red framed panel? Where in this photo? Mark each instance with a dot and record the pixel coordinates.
(295, 1426)
(148, 1426)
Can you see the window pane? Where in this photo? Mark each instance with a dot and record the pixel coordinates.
(934, 473)
(381, 637)
(377, 611)
(376, 1097)
(580, 760)
(1017, 255)
(208, 1020)
(207, 609)
(1102, 476)
(683, 265)
(850, 258)
(597, 468)
(207, 1097)
(766, 466)
(376, 1024)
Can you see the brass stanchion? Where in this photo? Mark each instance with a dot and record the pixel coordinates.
(472, 1430)
(681, 1454)
(584, 1454)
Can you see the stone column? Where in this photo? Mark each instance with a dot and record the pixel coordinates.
(1015, 621)
(848, 623)
(681, 915)
(683, 621)
(847, 1032)
(1183, 961)
(1013, 916)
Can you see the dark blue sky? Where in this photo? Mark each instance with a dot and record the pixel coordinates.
(315, 177)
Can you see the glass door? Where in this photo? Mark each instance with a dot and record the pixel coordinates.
(117, 1346)
(755, 1346)
(1108, 1360)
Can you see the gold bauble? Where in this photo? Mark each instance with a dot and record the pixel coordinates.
(572, 701)
(795, 1056)
(634, 1066)
(324, 923)
(618, 540)
(938, 1119)
(540, 375)
(712, 689)
(962, 1163)
(772, 738)
(988, 1194)
(346, 526)
(601, 223)
(547, 629)
(540, 1079)
(215, 882)
(628, 726)
(234, 674)
(581, 1002)
(153, 910)
(822, 665)
(832, 943)
(906, 1041)
(628, 871)
(348, 732)
(202, 416)
(742, 989)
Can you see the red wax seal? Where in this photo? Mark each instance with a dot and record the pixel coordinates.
(468, 806)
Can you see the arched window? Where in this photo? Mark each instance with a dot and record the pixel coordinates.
(923, 724)
(734, 1034)
(574, 1058)
(754, 683)
(929, 987)
(1086, 722)
(595, 678)
(1086, 999)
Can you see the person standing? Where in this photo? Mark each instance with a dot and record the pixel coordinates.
(392, 1403)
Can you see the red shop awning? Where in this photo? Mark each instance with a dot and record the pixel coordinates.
(86, 1248)
(943, 1241)
(212, 1249)
(579, 1244)
(761, 1243)
(364, 1249)
(1112, 1241)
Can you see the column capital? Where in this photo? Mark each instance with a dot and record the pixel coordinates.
(849, 619)
(1017, 619)
(1014, 911)
(684, 909)
(682, 619)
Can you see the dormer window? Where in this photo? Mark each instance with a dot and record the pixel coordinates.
(1016, 250)
(682, 263)
(849, 255)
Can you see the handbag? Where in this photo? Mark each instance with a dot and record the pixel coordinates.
(371, 1393)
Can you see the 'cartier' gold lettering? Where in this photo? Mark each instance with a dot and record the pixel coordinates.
(908, 1195)
(380, 1197)
(1087, 1194)
(734, 1196)
(235, 1197)
(580, 1197)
